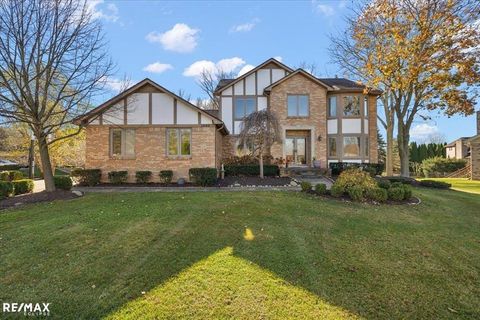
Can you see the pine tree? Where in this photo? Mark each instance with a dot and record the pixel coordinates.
(382, 148)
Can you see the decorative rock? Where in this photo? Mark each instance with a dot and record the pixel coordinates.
(293, 183)
(77, 193)
(236, 184)
(181, 181)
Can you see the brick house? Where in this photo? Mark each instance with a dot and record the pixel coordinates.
(148, 127)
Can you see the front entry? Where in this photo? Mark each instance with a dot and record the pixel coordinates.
(296, 150)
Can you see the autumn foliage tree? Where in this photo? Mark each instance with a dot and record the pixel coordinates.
(426, 55)
(53, 61)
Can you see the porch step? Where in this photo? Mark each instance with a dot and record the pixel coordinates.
(304, 172)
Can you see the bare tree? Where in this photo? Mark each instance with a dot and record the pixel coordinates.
(260, 130)
(310, 67)
(183, 94)
(53, 60)
(208, 82)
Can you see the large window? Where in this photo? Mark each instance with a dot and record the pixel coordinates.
(351, 146)
(332, 147)
(243, 107)
(179, 142)
(332, 106)
(351, 106)
(297, 105)
(122, 143)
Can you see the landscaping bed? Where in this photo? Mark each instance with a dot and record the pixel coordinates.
(254, 181)
(36, 197)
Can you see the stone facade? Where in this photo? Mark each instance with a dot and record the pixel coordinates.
(150, 151)
(475, 157)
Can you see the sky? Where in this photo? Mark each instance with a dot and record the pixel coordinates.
(171, 42)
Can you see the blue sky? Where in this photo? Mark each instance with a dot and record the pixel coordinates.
(171, 41)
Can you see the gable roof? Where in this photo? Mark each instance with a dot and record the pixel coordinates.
(107, 104)
(343, 84)
(302, 72)
(223, 83)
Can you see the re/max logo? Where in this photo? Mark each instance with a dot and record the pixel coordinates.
(27, 308)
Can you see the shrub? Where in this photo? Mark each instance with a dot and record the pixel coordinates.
(439, 167)
(11, 175)
(247, 159)
(407, 192)
(166, 176)
(9, 167)
(118, 177)
(203, 176)
(22, 186)
(306, 186)
(321, 188)
(396, 193)
(356, 193)
(62, 182)
(89, 177)
(435, 184)
(269, 170)
(377, 194)
(337, 191)
(404, 180)
(355, 177)
(384, 183)
(143, 176)
(373, 168)
(6, 189)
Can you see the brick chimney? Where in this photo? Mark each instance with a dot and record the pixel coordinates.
(478, 122)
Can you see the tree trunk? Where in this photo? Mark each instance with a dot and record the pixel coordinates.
(261, 164)
(389, 157)
(403, 139)
(46, 164)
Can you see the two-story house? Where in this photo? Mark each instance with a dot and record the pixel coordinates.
(147, 127)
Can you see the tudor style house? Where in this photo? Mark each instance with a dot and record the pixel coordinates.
(147, 127)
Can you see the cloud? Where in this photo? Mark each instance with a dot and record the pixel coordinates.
(109, 13)
(245, 69)
(157, 67)
(181, 38)
(245, 27)
(423, 132)
(224, 65)
(115, 84)
(278, 58)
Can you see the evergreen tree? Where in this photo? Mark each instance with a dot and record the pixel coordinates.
(382, 148)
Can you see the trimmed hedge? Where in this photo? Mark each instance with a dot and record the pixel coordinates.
(377, 194)
(269, 170)
(87, 177)
(374, 169)
(337, 191)
(203, 176)
(396, 193)
(22, 186)
(166, 176)
(6, 189)
(9, 167)
(403, 180)
(143, 176)
(435, 184)
(356, 193)
(118, 177)
(62, 182)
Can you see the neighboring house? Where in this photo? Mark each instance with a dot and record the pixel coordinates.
(330, 120)
(458, 149)
(148, 127)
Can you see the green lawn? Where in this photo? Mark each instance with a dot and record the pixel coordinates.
(244, 255)
(461, 184)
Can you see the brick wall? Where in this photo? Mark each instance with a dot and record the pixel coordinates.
(475, 158)
(150, 151)
(316, 122)
(372, 129)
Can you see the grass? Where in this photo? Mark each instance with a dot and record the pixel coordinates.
(462, 184)
(244, 255)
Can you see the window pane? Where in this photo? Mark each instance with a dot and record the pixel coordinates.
(365, 106)
(129, 142)
(239, 109)
(332, 147)
(292, 106)
(303, 106)
(332, 106)
(116, 142)
(249, 106)
(186, 139)
(172, 142)
(351, 106)
(351, 146)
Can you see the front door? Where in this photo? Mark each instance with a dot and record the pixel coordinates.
(295, 151)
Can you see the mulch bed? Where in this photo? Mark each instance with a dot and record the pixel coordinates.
(150, 185)
(254, 181)
(35, 198)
